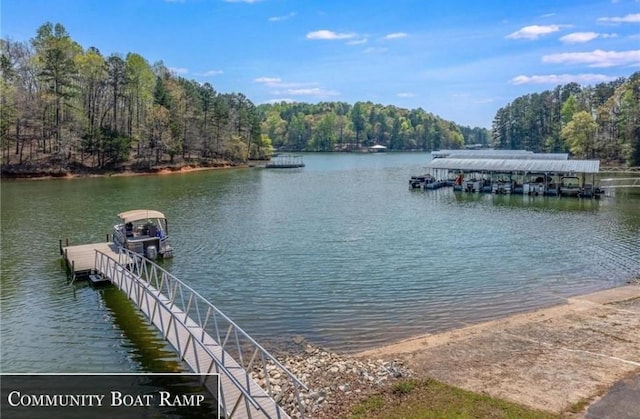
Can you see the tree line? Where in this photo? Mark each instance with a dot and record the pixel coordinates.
(601, 121)
(339, 126)
(66, 106)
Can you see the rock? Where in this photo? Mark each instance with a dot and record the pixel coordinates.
(321, 371)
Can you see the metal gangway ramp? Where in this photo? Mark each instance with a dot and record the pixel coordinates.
(611, 184)
(206, 339)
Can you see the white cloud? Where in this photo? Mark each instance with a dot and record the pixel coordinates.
(561, 79)
(178, 70)
(278, 83)
(211, 73)
(596, 58)
(373, 50)
(329, 35)
(284, 89)
(357, 41)
(406, 94)
(281, 18)
(313, 91)
(580, 37)
(630, 18)
(242, 1)
(396, 35)
(269, 81)
(534, 31)
(486, 100)
(285, 99)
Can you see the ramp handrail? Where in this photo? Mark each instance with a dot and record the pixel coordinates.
(201, 317)
(613, 183)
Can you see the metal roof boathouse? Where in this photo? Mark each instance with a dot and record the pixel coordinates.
(510, 164)
(510, 171)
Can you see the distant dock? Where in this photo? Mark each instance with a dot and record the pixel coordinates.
(285, 161)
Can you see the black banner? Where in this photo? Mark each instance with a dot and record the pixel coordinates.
(109, 396)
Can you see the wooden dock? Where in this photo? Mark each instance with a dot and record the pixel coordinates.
(81, 259)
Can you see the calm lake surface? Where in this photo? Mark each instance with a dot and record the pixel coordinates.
(341, 252)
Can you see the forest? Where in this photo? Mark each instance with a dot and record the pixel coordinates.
(601, 122)
(338, 126)
(68, 109)
(74, 109)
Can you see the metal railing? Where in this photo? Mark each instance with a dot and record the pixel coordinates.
(627, 182)
(208, 340)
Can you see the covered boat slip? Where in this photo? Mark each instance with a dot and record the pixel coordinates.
(515, 165)
(498, 154)
(513, 174)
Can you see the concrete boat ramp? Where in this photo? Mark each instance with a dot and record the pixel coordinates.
(559, 359)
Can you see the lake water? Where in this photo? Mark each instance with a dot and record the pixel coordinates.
(340, 252)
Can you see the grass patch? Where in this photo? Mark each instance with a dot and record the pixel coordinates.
(420, 399)
(405, 387)
(579, 406)
(371, 404)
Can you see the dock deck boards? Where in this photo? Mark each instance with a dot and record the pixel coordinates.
(82, 257)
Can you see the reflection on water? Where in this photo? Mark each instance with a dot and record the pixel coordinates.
(145, 345)
(341, 252)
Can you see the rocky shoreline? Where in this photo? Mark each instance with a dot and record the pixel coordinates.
(336, 382)
(39, 172)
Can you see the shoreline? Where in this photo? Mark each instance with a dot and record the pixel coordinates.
(427, 340)
(550, 358)
(126, 173)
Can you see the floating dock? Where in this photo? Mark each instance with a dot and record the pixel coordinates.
(285, 161)
(80, 259)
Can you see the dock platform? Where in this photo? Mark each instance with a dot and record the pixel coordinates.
(285, 162)
(80, 259)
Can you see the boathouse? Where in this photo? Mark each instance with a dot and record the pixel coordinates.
(527, 174)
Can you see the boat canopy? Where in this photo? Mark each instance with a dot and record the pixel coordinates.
(137, 215)
(516, 165)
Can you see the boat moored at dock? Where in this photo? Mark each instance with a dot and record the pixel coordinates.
(517, 172)
(421, 181)
(570, 186)
(144, 232)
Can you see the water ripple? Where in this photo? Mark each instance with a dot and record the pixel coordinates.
(341, 252)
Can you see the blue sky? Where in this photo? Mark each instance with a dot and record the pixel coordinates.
(461, 60)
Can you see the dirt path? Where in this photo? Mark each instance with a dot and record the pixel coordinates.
(551, 359)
